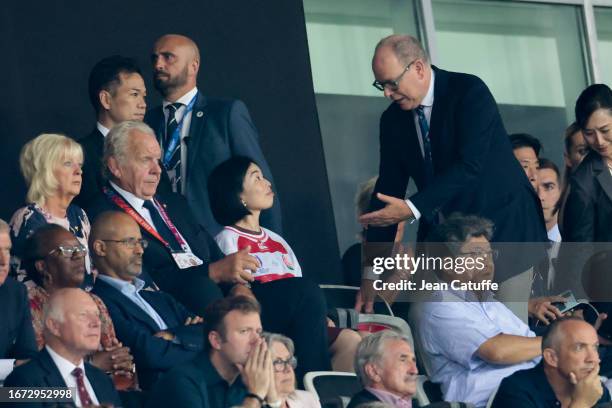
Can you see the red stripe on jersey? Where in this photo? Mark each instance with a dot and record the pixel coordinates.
(269, 245)
(273, 276)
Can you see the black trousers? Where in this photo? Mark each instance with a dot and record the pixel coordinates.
(296, 308)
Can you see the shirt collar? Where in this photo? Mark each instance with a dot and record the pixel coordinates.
(64, 366)
(103, 129)
(554, 234)
(134, 201)
(185, 99)
(390, 398)
(136, 285)
(428, 100)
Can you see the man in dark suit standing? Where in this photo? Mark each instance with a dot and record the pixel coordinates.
(161, 332)
(444, 130)
(197, 132)
(117, 93)
(72, 331)
(181, 258)
(17, 341)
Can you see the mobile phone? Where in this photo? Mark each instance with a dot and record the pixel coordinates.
(569, 304)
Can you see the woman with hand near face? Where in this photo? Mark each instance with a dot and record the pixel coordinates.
(284, 364)
(587, 213)
(51, 165)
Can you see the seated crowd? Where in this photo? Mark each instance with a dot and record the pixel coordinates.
(165, 300)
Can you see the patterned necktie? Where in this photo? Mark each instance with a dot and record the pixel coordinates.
(80, 380)
(424, 126)
(173, 165)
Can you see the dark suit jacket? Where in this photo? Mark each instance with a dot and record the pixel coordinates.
(189, 286)
(93, 180)
(17, 338)
(475, 171)
(136, 330)
(587, 215)
(220, 129)
(41, 371)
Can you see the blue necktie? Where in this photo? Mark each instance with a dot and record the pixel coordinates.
(424, 126)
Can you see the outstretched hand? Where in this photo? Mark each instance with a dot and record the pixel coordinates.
(395, 211)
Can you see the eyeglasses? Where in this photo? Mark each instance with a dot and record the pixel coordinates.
(392, 85)
(281, 365)
(69, 251)
(130, 242)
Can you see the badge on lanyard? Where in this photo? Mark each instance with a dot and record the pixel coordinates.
(186, 260)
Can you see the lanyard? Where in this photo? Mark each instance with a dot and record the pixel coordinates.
(121, 203)
(175, 140)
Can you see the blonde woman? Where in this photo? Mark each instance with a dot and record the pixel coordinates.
(51, 166)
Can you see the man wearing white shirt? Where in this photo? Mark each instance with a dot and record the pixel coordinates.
(72, 331)
(17, 341)
(443, 129)
(117, 92)
(197, 132)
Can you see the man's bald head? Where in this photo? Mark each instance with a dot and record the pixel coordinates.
(117, 246)
(176, 61)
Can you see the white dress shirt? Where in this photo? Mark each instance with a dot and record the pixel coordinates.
(65, 368)
(427, 104)
(180, 112)
(6, 367)
(103, 129)
(131, 291)
(136, 202)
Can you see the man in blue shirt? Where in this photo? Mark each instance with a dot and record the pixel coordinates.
(469, 340)
(160, 331)
(568, 375)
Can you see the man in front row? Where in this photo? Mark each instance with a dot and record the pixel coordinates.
(72, 331)
(568, 375)
(160, 331)
(386, 367)
(236, 368)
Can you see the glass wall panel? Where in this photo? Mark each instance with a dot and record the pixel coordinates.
(530, 55)
(603, 20)
(342, 35)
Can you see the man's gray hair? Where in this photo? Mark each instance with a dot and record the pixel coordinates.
(405, 47)
(274, 337)
(53, 309)
(117, 141)
(459, 228)
(4, 227)
(371, 349)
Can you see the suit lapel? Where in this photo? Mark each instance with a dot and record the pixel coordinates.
(198, 117)
(437, 113)
(52, 376)
(604, 177)
(132, 308)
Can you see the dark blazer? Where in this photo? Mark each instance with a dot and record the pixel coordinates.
(41, 371)
(475, 171)
(93, 180)
(220, 129)
(191, 286)
(136, 330)
(17, 338)
(587, 215)
(93, 150)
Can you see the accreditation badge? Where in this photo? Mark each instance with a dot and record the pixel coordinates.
(186, 260)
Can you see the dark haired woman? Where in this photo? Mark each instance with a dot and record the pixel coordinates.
(291, 304)
(588, 210)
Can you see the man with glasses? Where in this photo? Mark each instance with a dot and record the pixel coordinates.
(235, 369)
(159, 330)
(197, 132)
(469, 341)
(444, 131)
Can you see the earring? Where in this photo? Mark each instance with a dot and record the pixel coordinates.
(243, 203)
